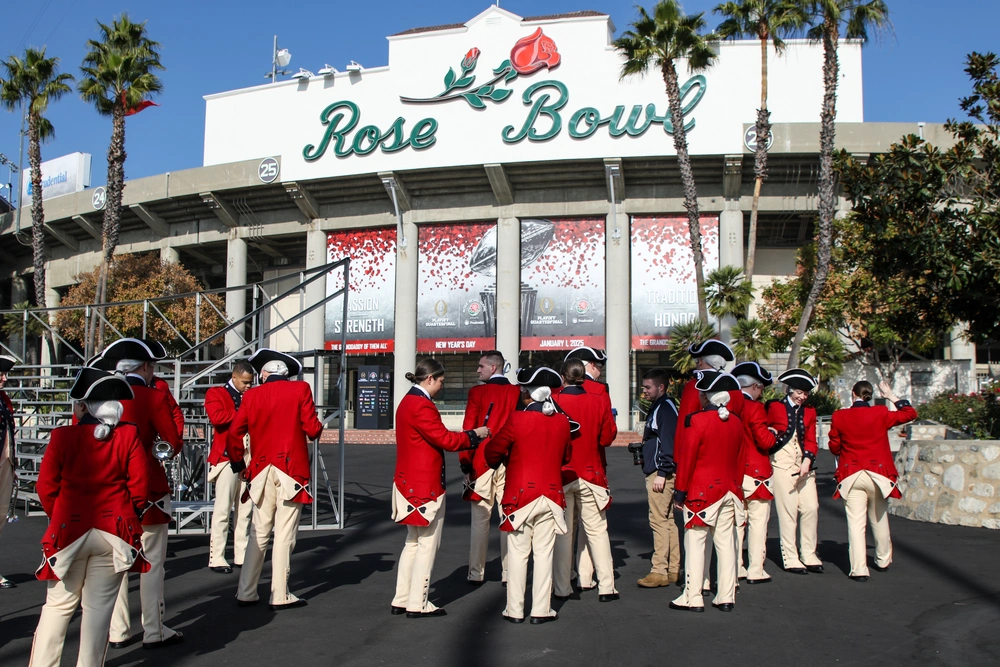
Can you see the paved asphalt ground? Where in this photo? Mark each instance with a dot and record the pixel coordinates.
(938, 605)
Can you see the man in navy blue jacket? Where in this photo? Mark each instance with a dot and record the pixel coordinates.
(658, 466)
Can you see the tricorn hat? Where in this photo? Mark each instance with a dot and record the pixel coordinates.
(7, 363)
(754, 370)
(93, 384)
(265, 354)
(715, 381)
(128, 348)
(711, 346)
(798, 378)
(587, 355)
(542, 376)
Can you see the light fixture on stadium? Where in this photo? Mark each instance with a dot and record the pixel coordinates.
(354, 67)
(328, 71)
(303, 74)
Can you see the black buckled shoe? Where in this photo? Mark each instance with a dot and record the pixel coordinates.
(511, 619)
(426, 614)
(680, 607)
(796, 570)
(609, 597)
(397, 611)
(860, 578)
(169, 641)
(538, 620)
(291, 605)
(724, 606)
(815, 569)
(222, 569)
(759, 581)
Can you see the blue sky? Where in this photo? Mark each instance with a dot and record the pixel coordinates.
(217, 45)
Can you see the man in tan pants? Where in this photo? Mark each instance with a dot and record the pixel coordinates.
(794, 480)
(658, 466)
(418, 554)
(280, 416)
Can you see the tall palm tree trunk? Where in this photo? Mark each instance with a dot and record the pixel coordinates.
(37, 209)
(112, 221)
(760, 160)
(824, 241)
(687, 179)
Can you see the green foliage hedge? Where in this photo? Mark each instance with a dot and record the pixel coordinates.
(977, 415)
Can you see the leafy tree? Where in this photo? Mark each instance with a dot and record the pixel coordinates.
(855, 18)
(752, 340)
(877, 319)
(30, 84)
(136, 277)
(768, 21)
(728, 293)
(929, 215)
(118, 79)
(659, 41)
(823, 355)
(682, 337)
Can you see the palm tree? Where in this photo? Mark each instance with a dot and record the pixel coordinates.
(856, 17)
(768, 21)
(728, 293)
(118, 80)
(682, 337)
(751, 340)
(823, 355)
(30, 84)
(660, 41)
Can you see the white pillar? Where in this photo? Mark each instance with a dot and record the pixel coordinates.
(236, 301)
(315, 321)
(964, 350)
(731, 235)
(168, 254)
(508, 306)
(617, 313)
(406, 308)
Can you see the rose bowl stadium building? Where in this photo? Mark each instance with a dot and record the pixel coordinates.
(497, 185)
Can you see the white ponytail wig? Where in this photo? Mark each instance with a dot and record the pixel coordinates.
(721, 399)
(543, 395)
(275, 367)
(109, 413)
(715, 361)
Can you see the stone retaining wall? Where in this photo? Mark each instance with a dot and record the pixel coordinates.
(950, 482)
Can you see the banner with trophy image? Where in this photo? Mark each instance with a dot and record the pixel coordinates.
(664, 290)
(371, 305)
(456, 287)
(562, 283)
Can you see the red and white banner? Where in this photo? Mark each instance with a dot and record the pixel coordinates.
(664, 290)
(562, 283)
(456, 295)
(371, 305)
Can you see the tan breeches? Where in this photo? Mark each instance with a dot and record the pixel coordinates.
(581, 507)
(865, 504)
(536, 538)
(797, 507)
(154, 548)
(281, 516)
(723, 536)
(482, 512)
(416, 564)
(666, 559)
(758, 513)
(228, 489)
(92, 581)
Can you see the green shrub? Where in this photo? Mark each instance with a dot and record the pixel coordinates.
(825, 402)
(977, 415)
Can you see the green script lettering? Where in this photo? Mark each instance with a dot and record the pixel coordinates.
(541, 107)
(368, 137)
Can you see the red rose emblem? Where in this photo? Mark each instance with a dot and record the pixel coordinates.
(470, 59)
(534, 52)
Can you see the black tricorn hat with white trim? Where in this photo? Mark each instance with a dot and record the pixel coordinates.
(587, 354)
(542, 376)
(715, 381)
(711, 346)
(798, 378)
(132, 348)
(7, 363)
(754, 370)
(93, 384)
(261, 357)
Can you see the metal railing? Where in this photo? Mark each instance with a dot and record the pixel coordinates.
(41, 401)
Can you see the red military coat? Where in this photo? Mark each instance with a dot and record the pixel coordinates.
(859, 440)
(85, 484)
(597, 431)
(280, 416)
(152, 414)
(421, 440)
(534, 447)
(710, 469)
(175, 410)
(504, 397)
(757, 442)
(221, 411)
(691, 404)
(778, 413)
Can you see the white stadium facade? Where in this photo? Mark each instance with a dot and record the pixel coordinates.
(497, 184)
